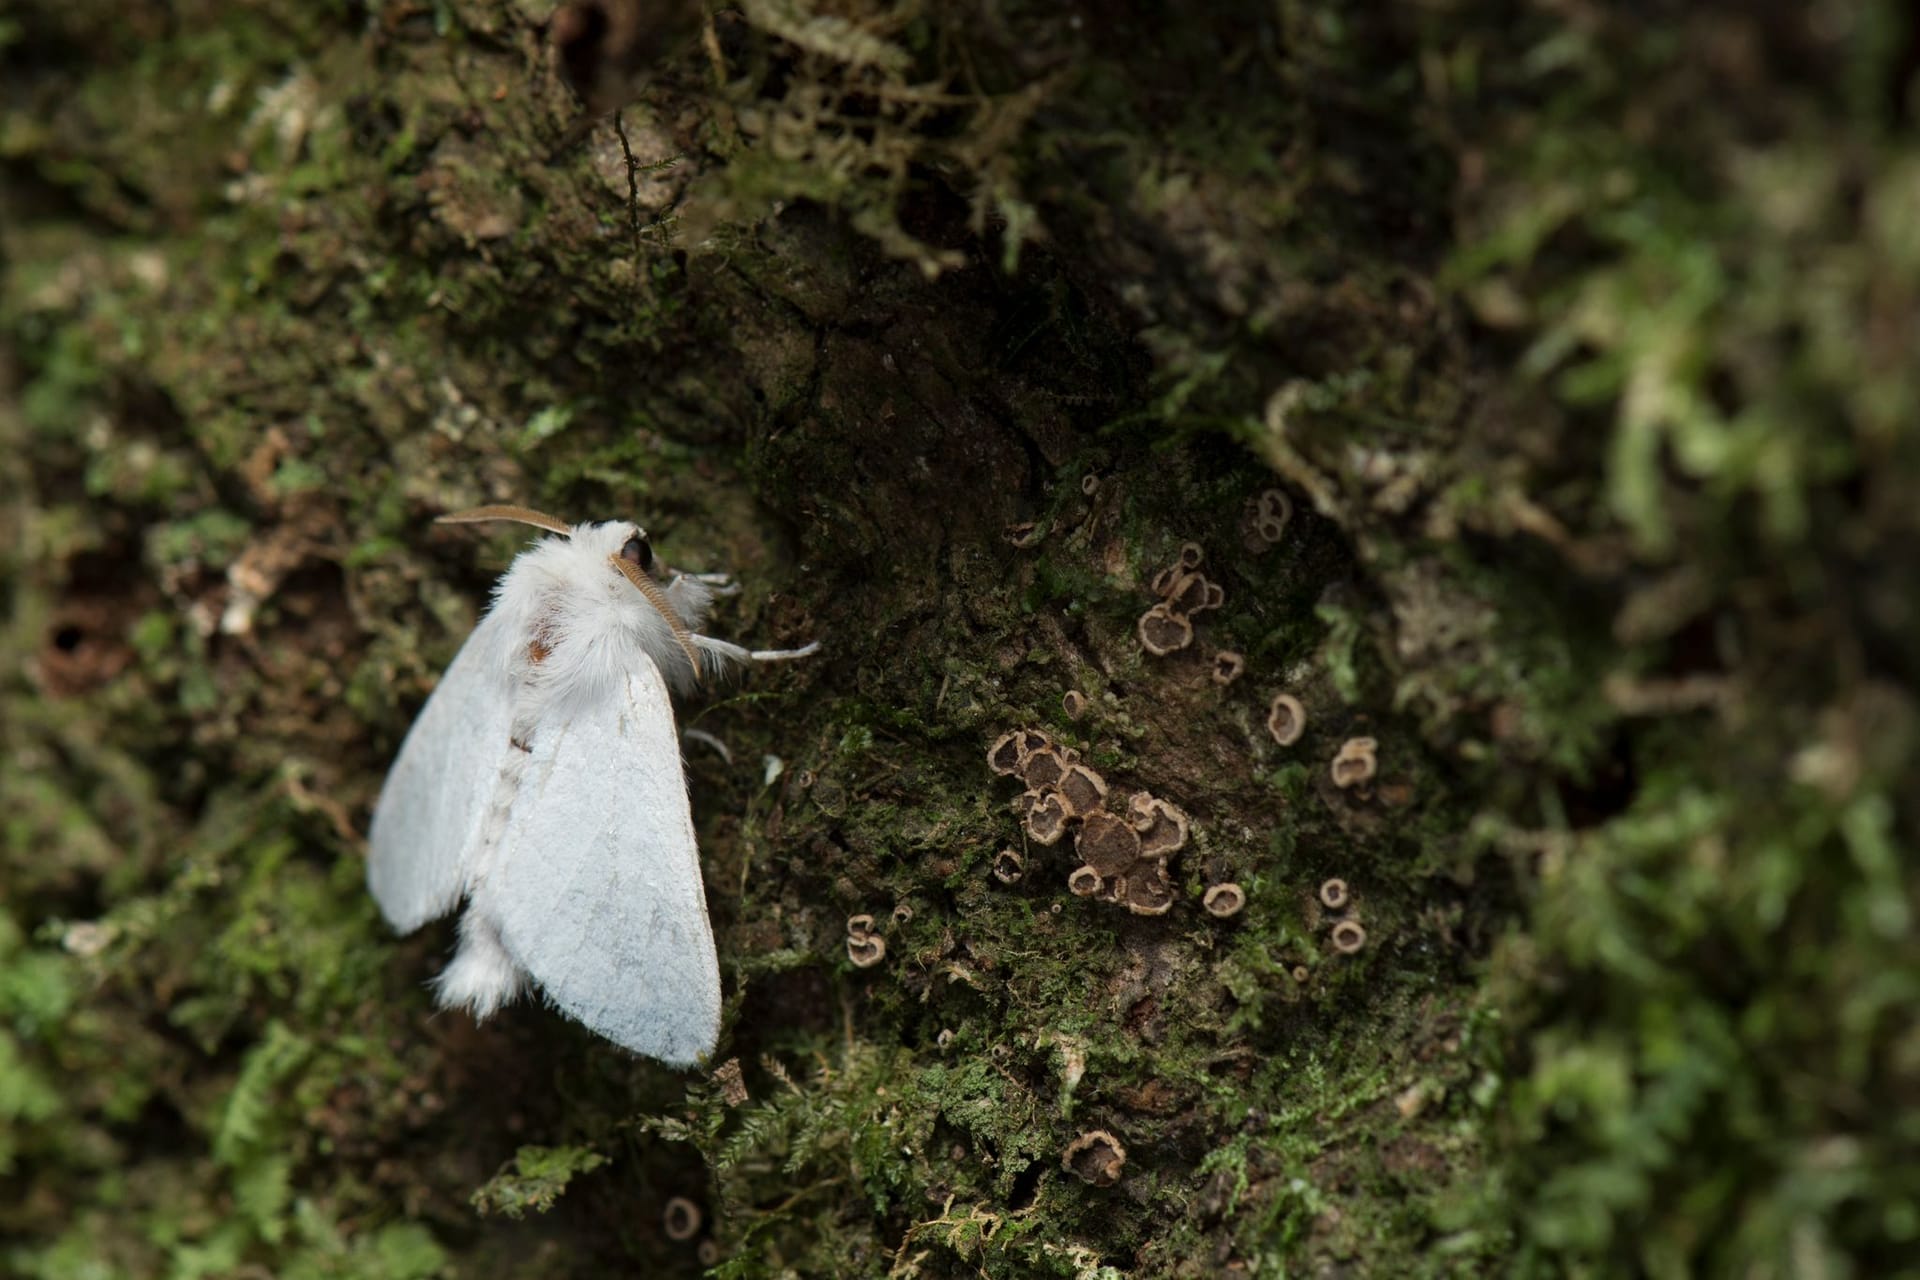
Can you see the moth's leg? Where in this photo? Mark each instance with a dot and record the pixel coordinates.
(482, 976)
(707, 740)
(692, 592)
(723, 651)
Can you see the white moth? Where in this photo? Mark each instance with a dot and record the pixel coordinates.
(542, 785)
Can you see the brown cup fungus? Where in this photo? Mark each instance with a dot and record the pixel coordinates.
(1348, 937)
(1042, 769)
(1082, 790)
(1333, 894)
(1009, 866)
(1083, 882)
(1074, 703)
(1009, 752)
(1163, 828)
(1047, 819)
(1149, 892)
(866, 950)
(1227, 666)
(1286, 719)
(1188, 594)
(1272, 512)
(1095, 1158)
(680, 1219)
(1107, 844)
(864, 947)
(1163, 632)
(1355, 763)
(1224, 900)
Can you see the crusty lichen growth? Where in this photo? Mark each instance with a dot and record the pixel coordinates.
(1566, 490)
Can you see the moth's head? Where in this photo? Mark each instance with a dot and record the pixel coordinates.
(626, 540)
(621, 546)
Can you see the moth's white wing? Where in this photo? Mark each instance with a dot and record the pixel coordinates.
(429, 822)
(595, 885)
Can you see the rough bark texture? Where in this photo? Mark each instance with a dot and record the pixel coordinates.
(1582, 343)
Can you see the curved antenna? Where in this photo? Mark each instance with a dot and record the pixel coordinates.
(655, 597)
(519, 515)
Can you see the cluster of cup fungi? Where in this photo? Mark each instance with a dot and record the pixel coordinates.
(1354, 765)
(1347, 935)
(681, 1220)
(1123, 856)
(1184, 593)
(865, 947)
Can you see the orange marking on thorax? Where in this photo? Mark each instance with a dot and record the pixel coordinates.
(542, 643)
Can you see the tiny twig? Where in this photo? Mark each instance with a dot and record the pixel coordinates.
(633, 195)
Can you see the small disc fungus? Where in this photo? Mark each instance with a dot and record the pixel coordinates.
(1163, 581)
(1189, 594)
(1165, 830)
(1074, 703)
(866, 949)
(1024, 533)
(1089, 484)
(903, 913)
(1163, 632)
(1191, 555)
(1009, 752)
(1082, 790)
(1286, 719)
(1003, 757)
(1348, 937)
(859, 926)
(1301, 974)
(1227, 666)
(1149, 890)
(1009, 866)
(944, 1040)
(1095, 1158)
(1216, 596)
(1274, 511)
(1083, 882)
(1047, 820)
(1107, 844)
(1140, 810)
(708, 1252)
(1333, 894)
(1224, 900)
(1355, 763)
(681, 1219)
(1042, 768)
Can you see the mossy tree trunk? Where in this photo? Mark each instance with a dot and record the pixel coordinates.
(1580, 346)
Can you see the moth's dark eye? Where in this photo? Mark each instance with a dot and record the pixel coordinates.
(637, 551)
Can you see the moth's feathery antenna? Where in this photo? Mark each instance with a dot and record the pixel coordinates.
(645, 586)
(519, 515)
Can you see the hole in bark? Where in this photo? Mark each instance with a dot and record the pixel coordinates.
(1026, 1186)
